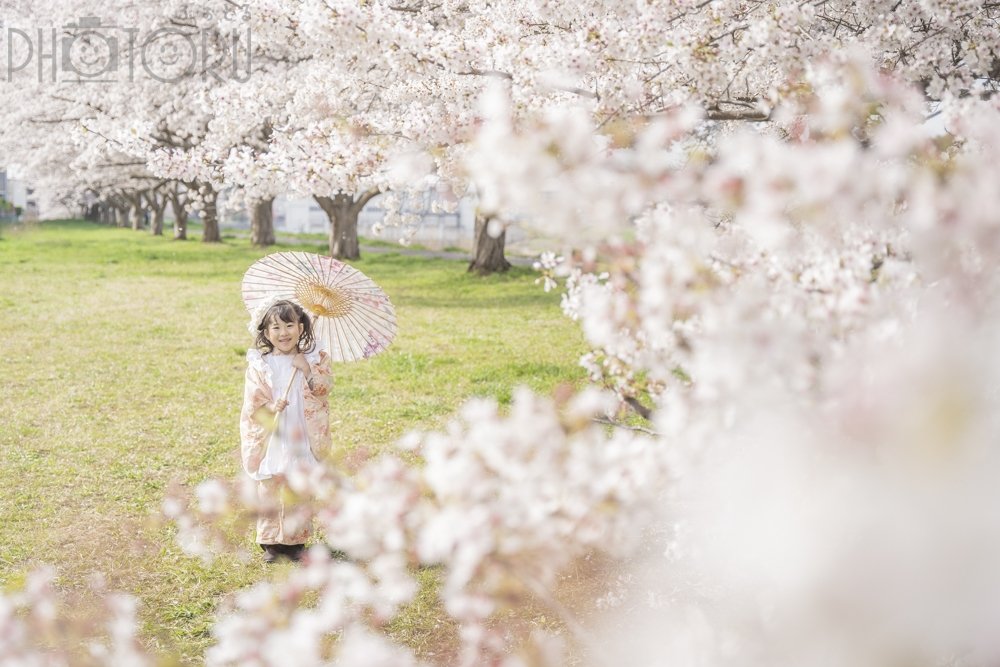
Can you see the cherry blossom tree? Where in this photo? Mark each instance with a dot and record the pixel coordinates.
(146, 100)
(817, 477)
(822, 506)
(372, 81)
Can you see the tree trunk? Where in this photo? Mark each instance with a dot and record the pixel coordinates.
(262, 222)
(180, 217)
(154, 211)
(104, 213)
(489, 257)
(343, 225)
(210, 214)
(136, 213)
(343, 210)
(156, 229)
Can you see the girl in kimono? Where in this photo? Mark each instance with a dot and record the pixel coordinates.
(278, 435)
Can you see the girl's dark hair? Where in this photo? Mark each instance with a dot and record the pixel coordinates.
(286, 311)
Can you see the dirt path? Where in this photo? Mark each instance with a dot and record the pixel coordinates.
(516, 260)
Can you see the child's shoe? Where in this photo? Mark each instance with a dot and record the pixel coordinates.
(271, 552)
(294, 551)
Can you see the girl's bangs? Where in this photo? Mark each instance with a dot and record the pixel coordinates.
(283, 311)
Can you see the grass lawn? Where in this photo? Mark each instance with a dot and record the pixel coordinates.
(122, 371)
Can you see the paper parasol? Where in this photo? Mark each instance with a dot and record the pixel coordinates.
(352, 317)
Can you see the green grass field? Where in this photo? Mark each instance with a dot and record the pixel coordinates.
(121, 372)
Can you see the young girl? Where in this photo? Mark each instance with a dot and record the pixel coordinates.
(301, 437)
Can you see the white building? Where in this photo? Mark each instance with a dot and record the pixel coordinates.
(434, 228)
(299, 215)
(19, 193)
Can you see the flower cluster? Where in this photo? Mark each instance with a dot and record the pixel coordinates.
(37, 629)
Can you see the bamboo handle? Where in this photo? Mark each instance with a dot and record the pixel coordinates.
(290, 381)
(277, 415)
(284, 397)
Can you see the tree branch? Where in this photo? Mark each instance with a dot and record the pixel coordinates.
(754, 115)
(636, 404)
(484, 72)
(364, 198)
(640, 429)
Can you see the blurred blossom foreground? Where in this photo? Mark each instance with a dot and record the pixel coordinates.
(779, 229)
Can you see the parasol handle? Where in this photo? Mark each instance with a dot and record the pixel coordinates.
(288, 387)
(277, 415)
(284, 396)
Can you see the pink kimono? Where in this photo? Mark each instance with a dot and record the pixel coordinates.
(302, 438)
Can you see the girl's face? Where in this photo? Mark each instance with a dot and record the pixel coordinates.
(284, 336)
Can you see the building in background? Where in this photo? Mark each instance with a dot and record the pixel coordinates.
(22, 195)
(18, 194)
(7, 213)
(428, 225)
(19, 198)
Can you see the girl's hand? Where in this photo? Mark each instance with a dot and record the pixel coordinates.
(280, 405)
(299, 361)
